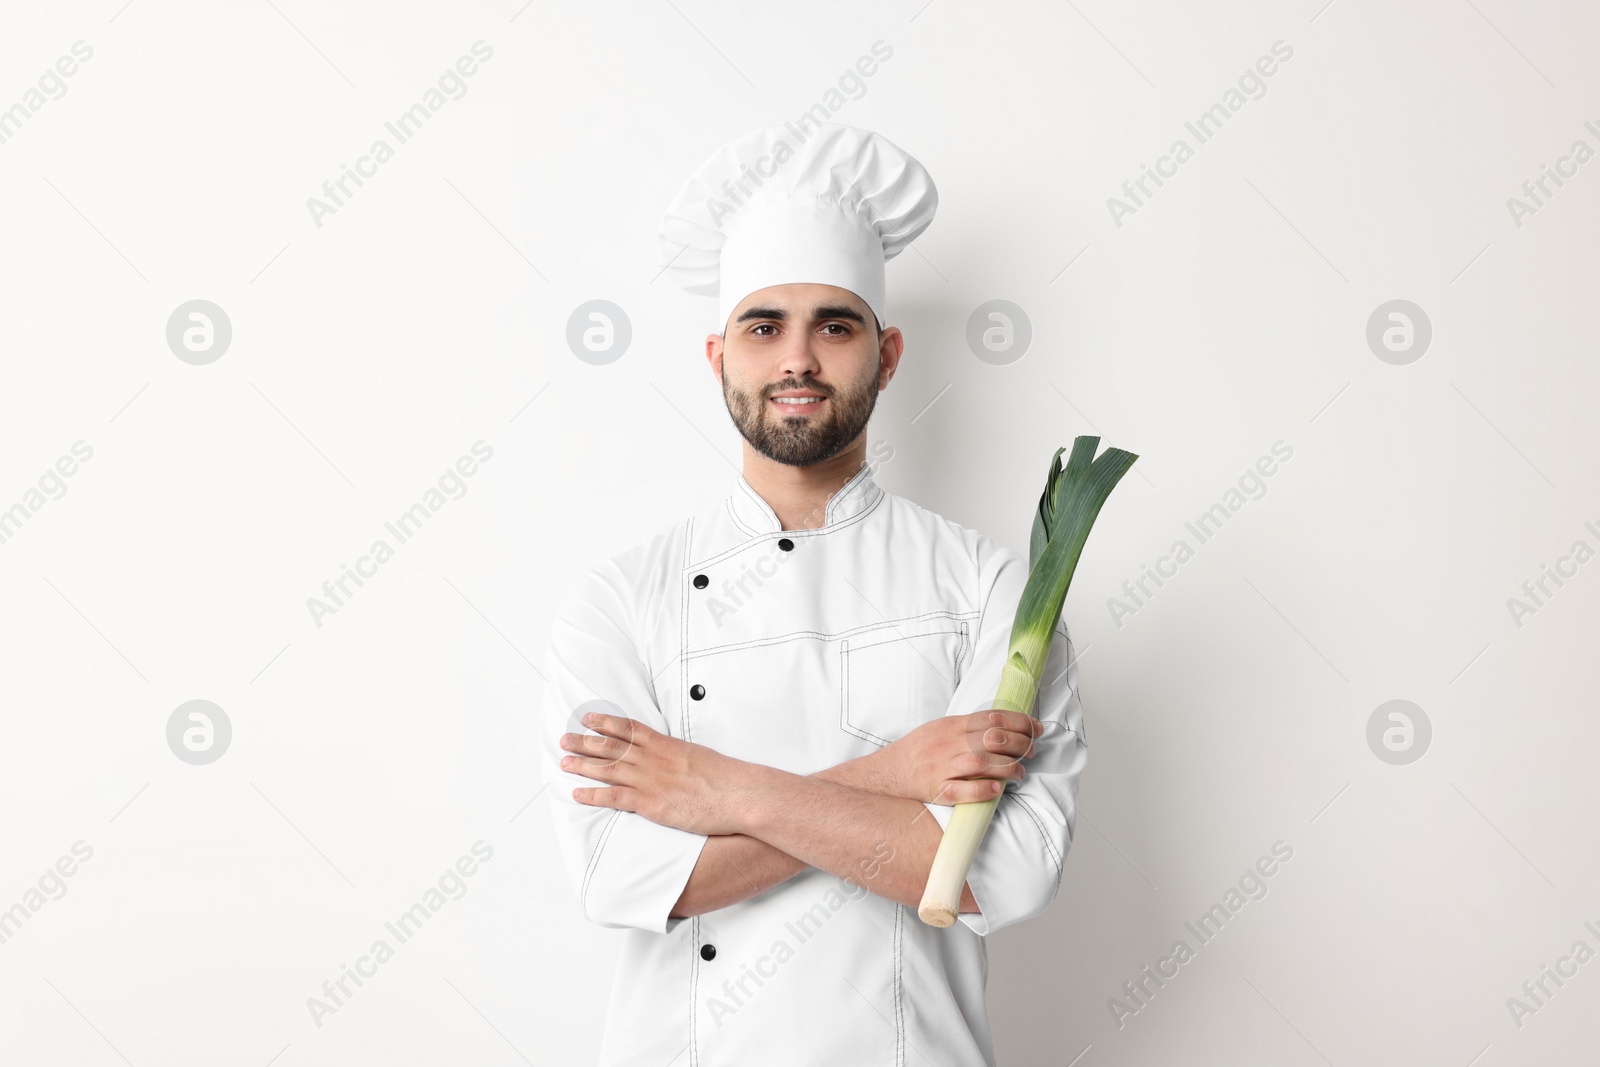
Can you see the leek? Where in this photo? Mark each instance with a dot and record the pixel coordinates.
(1067, 509)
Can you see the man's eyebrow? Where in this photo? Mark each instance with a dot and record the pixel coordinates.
(826, 311)
(838, 311)
(761, 313)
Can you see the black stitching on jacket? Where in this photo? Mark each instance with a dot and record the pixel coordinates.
(1049, 845)
(594, 862)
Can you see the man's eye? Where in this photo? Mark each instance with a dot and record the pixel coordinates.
(841, 327)
(762, 326)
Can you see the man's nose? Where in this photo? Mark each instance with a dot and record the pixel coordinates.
(799, 359)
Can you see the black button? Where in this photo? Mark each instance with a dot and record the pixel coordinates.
(708, 952)
(786, 544)
(701, 581)
(697, 691)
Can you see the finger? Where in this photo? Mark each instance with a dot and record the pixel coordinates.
(601, 797)
(1010, 769)
(601, 770)
(982, 720)
(618, 726)
(594, 745)
(969, 790)
(988, 765)
(997, 745)
(1000, 767)
(1007, 743)
(1015, 721)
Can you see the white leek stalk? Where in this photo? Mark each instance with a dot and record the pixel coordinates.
(1067, 509)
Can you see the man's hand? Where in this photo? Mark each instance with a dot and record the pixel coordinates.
(951, 760)
(667, 780)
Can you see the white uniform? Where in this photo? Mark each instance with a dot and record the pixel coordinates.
(800, 649)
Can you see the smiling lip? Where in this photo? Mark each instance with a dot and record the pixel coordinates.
(815, 401)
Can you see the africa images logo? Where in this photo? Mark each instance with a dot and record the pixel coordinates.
(852, 81)
(404, 127)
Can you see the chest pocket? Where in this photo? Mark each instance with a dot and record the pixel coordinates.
(897, 676)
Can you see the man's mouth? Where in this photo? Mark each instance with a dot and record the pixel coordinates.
(791, 404)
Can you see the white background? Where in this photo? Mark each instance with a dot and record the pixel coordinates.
(430, 311)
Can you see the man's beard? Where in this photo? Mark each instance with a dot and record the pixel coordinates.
(803, 440)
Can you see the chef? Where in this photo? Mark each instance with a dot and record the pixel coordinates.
(757, 721)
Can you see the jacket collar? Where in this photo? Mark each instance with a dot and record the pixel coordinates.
(858, 494)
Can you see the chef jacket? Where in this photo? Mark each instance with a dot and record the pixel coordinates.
(800, 649)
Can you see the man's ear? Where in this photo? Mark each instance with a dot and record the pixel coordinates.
(891, 345)
(714, 354)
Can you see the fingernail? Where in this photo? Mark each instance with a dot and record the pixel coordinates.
(996, 787)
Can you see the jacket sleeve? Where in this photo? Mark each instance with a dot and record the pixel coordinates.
(627, 871)
(1016, 872)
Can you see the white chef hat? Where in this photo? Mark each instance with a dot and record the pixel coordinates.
(830, 205)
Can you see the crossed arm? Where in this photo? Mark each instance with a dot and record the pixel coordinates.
(832, 820)
(864, 819)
